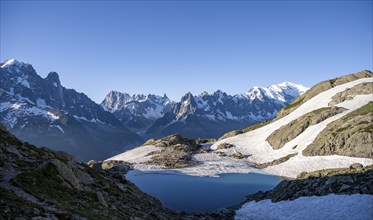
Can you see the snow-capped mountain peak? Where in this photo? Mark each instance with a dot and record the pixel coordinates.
(136, 111)
(280, 92)
(10, 62)
(14, 65)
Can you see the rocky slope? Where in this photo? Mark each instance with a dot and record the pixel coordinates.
(43, 112)
(41, 183)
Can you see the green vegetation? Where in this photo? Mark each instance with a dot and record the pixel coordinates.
(350, 135)
(333, 172)
(365, 110)
(46, 184)
(297, 102)
(250, 128)
(13, 206)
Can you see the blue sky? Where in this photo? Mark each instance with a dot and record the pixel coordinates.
(174, 47)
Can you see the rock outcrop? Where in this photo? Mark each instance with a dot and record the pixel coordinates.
(319, 183)
(351, 135)
(275, 162)
(348, 94)
(290, 131)
(176, 152)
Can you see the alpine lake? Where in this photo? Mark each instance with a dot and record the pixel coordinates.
(197, 194)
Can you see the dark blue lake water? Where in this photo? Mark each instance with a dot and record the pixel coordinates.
(193, 193)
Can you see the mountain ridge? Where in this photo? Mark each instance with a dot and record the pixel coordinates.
(204, 112)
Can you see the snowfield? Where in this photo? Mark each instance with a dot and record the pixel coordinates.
(136, 155)
(329, 207)
(254, 146)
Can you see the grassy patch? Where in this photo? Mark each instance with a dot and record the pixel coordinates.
(17, 206)
(47, 185)
(365, 110)
(294, 104)
(332, 172)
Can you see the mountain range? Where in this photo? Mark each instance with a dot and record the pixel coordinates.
(202, 116)
(45, 113)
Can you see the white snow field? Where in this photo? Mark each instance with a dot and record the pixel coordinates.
(331, 207)
(136, 155)
(254, 146)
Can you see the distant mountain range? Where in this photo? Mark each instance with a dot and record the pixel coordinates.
(202, 116)
(43, 112)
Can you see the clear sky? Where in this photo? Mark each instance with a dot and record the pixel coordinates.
(174, 47)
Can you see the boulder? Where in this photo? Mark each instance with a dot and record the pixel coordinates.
(238, 155)
(356, 166)
(225, 146)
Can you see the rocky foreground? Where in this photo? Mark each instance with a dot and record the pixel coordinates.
(354, 180)
(41, 183)
(326, 194)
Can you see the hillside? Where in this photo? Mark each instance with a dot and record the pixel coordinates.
(39, 183)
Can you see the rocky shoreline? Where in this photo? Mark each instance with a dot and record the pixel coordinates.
(354, 180)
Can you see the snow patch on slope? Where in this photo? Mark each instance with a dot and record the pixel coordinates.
(316, 207)
(23, 82)
(136, 155)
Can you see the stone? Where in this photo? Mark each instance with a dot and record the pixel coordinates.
(65, 172)
(101, 199)
(224, 146)
(238, 155)
(344, 187)
(35, 211)
(356, 166)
